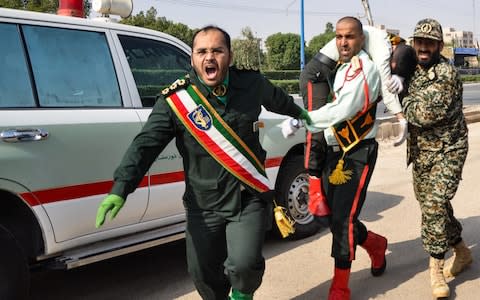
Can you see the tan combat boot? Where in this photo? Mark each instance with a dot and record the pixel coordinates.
(439, 285)
(462, 258)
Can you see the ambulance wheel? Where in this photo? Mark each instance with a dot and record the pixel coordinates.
(292, 194)
(14, 271)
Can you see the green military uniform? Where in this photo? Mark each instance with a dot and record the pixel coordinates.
(437, 146)
(225, 225)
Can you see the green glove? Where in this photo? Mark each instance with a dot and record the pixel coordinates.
(305, 117)
(111, 203)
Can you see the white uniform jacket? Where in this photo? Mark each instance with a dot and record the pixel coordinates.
(349, 90)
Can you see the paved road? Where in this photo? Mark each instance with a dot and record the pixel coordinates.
(302, 270)
(391, 209)
(471, 93)
(471, 97)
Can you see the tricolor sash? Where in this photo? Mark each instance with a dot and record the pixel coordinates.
(217, 138)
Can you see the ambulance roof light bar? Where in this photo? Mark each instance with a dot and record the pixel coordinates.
(72, 8)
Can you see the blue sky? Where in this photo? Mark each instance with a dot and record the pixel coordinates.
(266, 17)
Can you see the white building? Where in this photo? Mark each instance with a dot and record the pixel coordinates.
(459, 39)
(389, 30)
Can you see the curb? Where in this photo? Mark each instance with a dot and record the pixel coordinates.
(472, 117)
(389, 128)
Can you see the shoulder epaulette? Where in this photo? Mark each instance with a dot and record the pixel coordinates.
(176, 85)
(247, 68)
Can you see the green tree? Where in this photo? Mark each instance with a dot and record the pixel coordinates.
(150, 20)
(247, 50)
(318, 41)
(283, 51)
(47, 6)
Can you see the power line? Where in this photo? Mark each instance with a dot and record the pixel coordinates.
(249, 8)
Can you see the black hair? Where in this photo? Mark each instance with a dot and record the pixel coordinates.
(354, 20)
(405, 59)
(226, 36)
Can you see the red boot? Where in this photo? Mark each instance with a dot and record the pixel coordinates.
(339, 289)
(376, 245)
(317, 203)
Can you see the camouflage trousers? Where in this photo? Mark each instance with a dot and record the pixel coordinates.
(436, 177)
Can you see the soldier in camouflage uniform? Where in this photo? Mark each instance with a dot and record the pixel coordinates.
(437, 147)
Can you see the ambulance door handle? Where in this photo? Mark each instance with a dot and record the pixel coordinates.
(23, 135)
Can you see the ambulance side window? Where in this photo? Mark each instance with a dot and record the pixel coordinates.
(71, 68)
(154, 64)
(15, 85)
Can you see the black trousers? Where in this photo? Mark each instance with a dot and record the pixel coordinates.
(346, 200)
(224, 253)
(316, 146)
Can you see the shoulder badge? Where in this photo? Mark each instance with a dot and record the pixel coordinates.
(246, 68)
(176, 85)
(356, 63)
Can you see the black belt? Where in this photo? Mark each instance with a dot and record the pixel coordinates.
(337, 148)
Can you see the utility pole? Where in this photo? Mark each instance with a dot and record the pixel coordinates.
(302, 37)
(259, 54)
(302, 34)
(475, 42)
(366, 6)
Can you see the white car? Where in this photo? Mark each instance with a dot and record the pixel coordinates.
(73, 94)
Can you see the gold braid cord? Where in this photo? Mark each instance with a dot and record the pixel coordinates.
(339, 175)
(284, 223)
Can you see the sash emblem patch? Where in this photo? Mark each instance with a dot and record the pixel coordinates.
(201, 118)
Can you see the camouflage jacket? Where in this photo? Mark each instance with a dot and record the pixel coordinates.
(433, 108)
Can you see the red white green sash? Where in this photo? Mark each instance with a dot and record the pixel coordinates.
(217, 138)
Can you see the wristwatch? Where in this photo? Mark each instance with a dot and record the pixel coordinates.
(295, 123)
